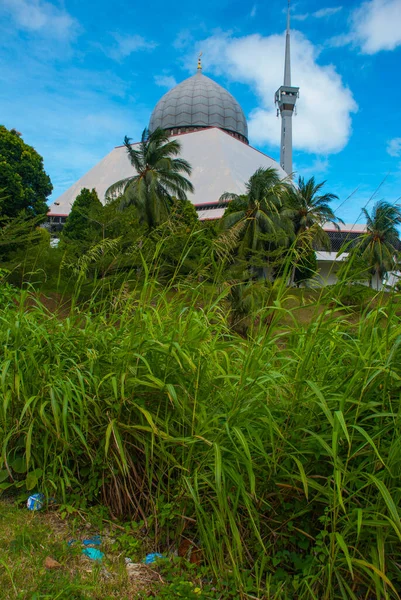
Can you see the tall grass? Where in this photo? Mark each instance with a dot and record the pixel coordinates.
(278, 453)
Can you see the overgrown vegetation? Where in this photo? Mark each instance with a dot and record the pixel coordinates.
(164, 369)
(277, 454)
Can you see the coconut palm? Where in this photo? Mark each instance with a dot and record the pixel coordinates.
(255, 215)
(309, 209)
(158, 177)
(378, 248)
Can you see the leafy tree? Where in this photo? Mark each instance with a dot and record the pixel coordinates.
(184, 212)
(379, 247)
(19, 235)
(178, 245)
(256, 217)
(16, 233)
(158, 177)
(81, 226)
(23, 180)
(112, 222)
(3, 197)
(104, 238)
(25, 250)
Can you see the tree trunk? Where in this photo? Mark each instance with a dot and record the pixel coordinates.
(292, 278)
(375, 282)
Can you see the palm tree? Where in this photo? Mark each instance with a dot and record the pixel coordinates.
(158, 177)
(378, 247)
(253, 217)
(307, 208)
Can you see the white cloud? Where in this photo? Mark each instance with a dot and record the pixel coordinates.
(323, 124)
(394, 147)
(127, 44)
(300, 17)
(327, 12)
(167, 81)
(253, 11)
(322, 13)
(41, 16)
(376, 25)
(183, 39)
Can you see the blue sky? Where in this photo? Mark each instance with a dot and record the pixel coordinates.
(75, 77)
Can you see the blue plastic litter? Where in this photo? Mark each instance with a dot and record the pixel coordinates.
(96, 540)
(151, 558)
(93, 554)
(71, 542)
(35, 502)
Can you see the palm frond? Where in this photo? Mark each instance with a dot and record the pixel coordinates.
(118, 188)
(228, 197)
(232, 219)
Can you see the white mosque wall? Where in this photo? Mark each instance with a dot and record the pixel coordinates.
(327, 274)
(393, 278)
(328, 265)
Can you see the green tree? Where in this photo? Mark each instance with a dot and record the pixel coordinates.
(17, 233)
(255, 220)
(23, 180)
(158, 177)
(101, 240)
(378, 248)
(112, 222)
(184, 212)
(309, 210)
(307, 207)
(255, 228)
(3, 197)
(81, 226)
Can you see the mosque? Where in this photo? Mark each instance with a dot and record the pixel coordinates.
(212, 130)
(213, 133)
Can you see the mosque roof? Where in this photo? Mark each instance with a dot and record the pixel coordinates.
(220, 163)
(199, 102)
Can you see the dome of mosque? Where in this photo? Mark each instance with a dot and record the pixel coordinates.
(196, 103)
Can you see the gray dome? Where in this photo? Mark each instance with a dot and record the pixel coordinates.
(199, 102)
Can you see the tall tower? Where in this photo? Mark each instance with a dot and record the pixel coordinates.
(285, 98)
